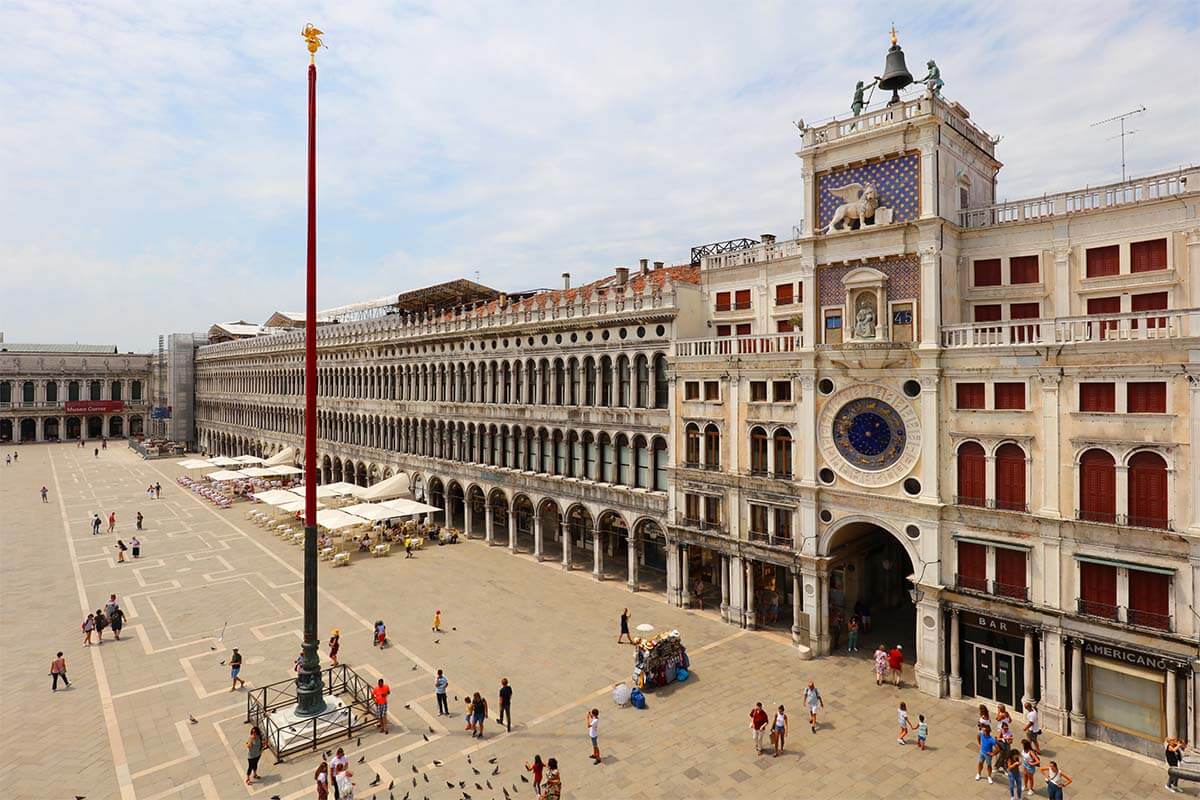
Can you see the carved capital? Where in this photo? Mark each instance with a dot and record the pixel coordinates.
(929, 250)
(1193, 237)
(1050, 381)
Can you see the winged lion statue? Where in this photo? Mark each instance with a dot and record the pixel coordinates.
(860, 202)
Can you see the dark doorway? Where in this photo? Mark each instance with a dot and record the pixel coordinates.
(870, 579)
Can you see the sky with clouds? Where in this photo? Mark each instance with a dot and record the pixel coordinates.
(152, 155)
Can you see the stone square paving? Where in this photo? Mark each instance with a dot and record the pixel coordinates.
(123, 731)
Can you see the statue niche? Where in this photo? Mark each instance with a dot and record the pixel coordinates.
(864, 316)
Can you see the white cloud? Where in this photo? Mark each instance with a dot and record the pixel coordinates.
(152, 156)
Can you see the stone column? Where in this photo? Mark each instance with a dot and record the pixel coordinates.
(725, 588)
(672, 573)
(567, 535)
(468, 523)
(807, 445)
(632, 566)
(597, 557)
(685, 582)
(749, 615)
(512, 531)
(488, 535)
(816, 592)
(1062, 283)
(538, 534)
(1028, 672)
(1172, 702)
(955, 657)
(1078, 718)
(1051, 469)
(737, 591)
(796, 595)
(1194, 424)
(929, 437)
(931, 300)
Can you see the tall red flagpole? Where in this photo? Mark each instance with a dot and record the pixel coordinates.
(310, 694)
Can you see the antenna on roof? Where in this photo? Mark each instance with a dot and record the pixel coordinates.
(477, 276)
(1121, 118)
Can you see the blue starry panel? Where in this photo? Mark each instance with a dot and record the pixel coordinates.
(896, 179)
(869, 433)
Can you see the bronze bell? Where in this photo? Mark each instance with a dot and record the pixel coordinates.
(895, 72)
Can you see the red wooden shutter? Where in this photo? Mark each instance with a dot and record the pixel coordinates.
(1146, 398)
(742, 298)
(1104, 305)
(987, 272)
(1098, 589)
(972, 480)
(1152, 301)
(1148, 490)
(1098, 397)
(1010, 572)
(1149, 599)
(1023, 269)
(1148, 256)
(972, 566)
(1009, 396)
(1103, 261)
(783, 294)
(1098, 486)
(987, 313)
(723, 330)
(1024, 333)
(722, 301)
(784, 326)
(743, 329)
(1010, 478)
(969, 395)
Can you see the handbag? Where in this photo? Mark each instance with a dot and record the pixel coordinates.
(774, 737)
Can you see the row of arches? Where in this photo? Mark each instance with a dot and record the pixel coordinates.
(71, 391)
(55, 429)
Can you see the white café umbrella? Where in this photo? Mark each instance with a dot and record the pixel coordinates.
(403, 507)
(340, 488)
(333, 519)
(285, 456)
(224, 461)
(395, 486)
(195, 463)
(285, 469)
(248, 459)
(225, 475)
(296, 505)
(322, 491)
(258, 472)
(370, 511)
(276, 497)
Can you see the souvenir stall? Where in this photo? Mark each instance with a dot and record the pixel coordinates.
(659, 660)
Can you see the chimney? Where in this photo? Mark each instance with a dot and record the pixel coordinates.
(622, 276)
(566, 281)
(658, 265)
(768, 238)
(644, 265)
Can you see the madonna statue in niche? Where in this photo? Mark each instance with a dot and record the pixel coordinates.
(864, 317)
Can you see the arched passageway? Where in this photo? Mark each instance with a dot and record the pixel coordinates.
(870, 576)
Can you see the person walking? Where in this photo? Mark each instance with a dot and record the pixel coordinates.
(1172, 750)
(1004, 738)
(479, 712)
(439, 689)
(904, 722)
(380, 695)
(58, 669)
(139, 520)
(96, 453)
(1012, 768)
(536, 768)
(101, 624)
(337, 768)
(335, 643)
(116, 621)
(812, 699)
(254, 746)
(896, 664)
(779, 731)
(112, 521)
(135, 544)
(111, 605)
(470, 713)
(988, 749)
(45, 495)
(437, 621)
(552, 788)
(235, 666)
(120, 548)
(505, 717)
(624, 628)
(321, 776)
(881, 664)
(593, 728)
(758, 726)
(95, 524)
(1056, 780)
(852, 635)
(1029, 764)
(89, 625)
(922, 731)
(157, 490)
(1033, 727)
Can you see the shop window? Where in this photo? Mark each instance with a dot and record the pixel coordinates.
(1148, 256)
(1010, 478)
(972, 566)
(783, 294)
(1148, 490)
(1125, 701)
(1146, 397)
(1010, 396)
(723, 301)
(1097, 486)
(1010, 574)
(1149, 599)
(969, 395)
(1098, 590)
(758, 391)
(741, 299)
(691, 390)
(972, 482)
(987, 272)
(987, 313)
(1102, 261)
(1098, 398)
(781, 391)
(712, 390)
(1023, 269)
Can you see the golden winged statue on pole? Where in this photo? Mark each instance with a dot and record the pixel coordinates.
(312, 36)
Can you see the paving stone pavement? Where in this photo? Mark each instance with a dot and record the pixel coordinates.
(122, 730)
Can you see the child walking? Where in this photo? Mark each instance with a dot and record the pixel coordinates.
(905, 724)
(922, 731)
(437, 621)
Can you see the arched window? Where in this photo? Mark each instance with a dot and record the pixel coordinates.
(544, 449)
(783, 454)
(94, 390)
(6, 391)
(622, 381)
(73, 391)
(544, 374)
(712, 447)
(1010, 478)
(972, 470)
(624, 476)
(506, 371)
(641, 368)
(606, 382)
(691, 449)
(52, 391)
(1148, 490)
(589, 456)
(606, 458)
(659, 454)
(758, 451)
(589, 381)
(560, 382)
(574, 455)
(572, 382)
(27, 390)
(660, 381)
(1097, 486)
(518, 384)
(641, 463)
(560, 454)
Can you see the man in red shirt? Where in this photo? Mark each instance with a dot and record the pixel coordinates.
(758, 725)
(380, 695)
(896, 663)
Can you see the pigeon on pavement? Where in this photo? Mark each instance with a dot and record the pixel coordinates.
(192, 719)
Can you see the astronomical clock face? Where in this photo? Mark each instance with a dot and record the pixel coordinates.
(869, 435)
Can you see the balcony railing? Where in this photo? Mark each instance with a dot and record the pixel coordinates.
(961, 500)
(1079, 201)
(1137, 326)
(775, 540)
(1093, 608)
(765, 344)
(1149, 619)
(1012, 590)
(1131, 616)
(971, 583)
(1128, 520)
